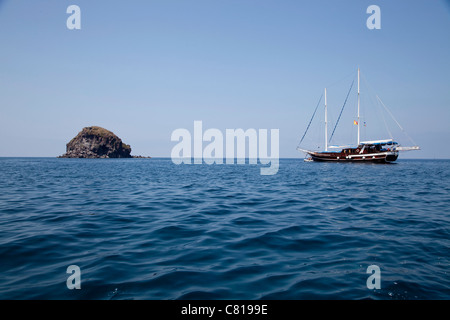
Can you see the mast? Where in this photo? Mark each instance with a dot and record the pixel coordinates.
(326, 122)
(358, 109)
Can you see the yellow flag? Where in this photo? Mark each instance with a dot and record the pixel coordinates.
(355, 122)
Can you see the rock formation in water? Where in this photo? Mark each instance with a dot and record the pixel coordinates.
(96, 142)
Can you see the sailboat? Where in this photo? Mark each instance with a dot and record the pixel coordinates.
(380, 151)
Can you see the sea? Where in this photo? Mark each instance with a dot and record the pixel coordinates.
(148, 229)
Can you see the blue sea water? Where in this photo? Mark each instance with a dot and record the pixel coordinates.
(149, 229)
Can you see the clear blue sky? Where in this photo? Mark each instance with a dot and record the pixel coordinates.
(145, 68)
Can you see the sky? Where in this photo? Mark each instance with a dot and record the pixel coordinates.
(145, 68)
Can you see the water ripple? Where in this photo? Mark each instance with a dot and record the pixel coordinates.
(148, 229)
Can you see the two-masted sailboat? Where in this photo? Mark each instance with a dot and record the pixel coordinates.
(381, 151)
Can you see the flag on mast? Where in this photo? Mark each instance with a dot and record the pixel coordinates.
(355, 122)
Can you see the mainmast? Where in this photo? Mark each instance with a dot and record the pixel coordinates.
(358, 109)
(326, 122)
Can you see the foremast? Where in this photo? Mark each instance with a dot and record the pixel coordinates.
(358, 112)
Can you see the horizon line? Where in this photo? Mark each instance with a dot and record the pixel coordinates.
(161, 157)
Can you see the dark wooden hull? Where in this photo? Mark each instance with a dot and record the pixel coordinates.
(379, 157)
